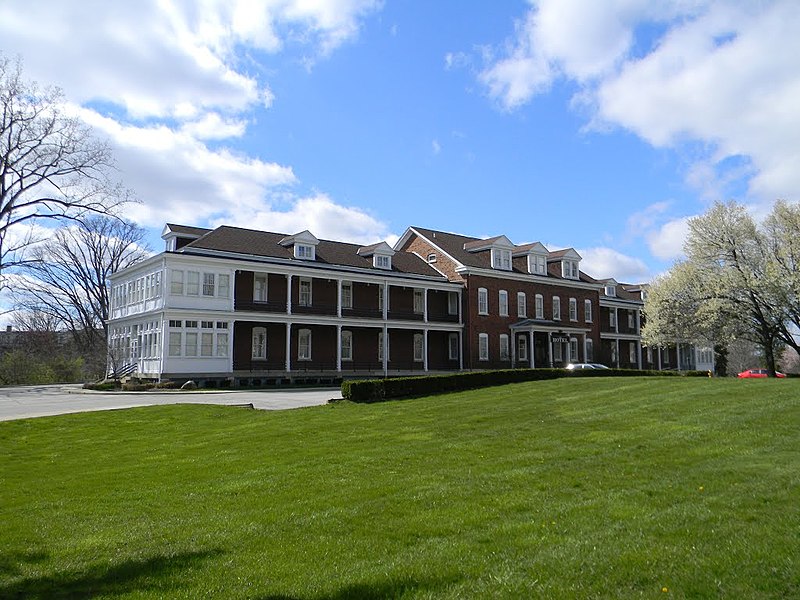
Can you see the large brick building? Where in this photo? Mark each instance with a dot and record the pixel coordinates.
(255, 307)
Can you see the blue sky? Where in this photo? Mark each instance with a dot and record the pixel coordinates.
(597, 125)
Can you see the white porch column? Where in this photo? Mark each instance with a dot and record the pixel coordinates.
(658, 350)
(513, 337)
(531, 355)
(550, 348)
(460, 349)
(385, 346)
(385, 300)
(425, 311)
(616, 351)
(288, 346)
(425, 347)
(339, 300)
(678, 354)
(639, 353)
(460, 317)
(288, 295)
(339, 341)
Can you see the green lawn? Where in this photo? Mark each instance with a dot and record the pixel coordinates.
(574, 488)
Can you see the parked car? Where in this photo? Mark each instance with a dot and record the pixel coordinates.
(757, 373)
(578, 366)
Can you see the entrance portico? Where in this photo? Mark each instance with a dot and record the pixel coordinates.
(542, 343)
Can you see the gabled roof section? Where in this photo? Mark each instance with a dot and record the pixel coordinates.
(264, 244)
(566, 253)
(304, 237)
(499, 241)
(184, 230)
(525, 249)
(380, 248)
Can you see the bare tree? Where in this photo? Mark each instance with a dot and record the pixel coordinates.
(51, 166)
(66, 278)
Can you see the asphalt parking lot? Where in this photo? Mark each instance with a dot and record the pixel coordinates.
(21, 402)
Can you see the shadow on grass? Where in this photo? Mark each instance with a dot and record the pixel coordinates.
(97, 580)
(394, 588)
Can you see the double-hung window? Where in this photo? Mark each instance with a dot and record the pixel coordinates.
(504, 348)
(259, 343)
(556, 308)
(304, 296)
(192, 283)
(503, 303)
(347, 345)
(176, 285)
(419, 348)
(573, 309)
(452, 346)
(452, 303)
(483, 301)
(419, 301)
(347, 294)
(208, 284)
(304, 344)
(260, 287)
(483, 346)
(587, 311)
(539, 306)
(522, 305)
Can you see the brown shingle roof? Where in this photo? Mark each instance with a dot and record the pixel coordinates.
(250, 242)
(453, 244)
(187, 230)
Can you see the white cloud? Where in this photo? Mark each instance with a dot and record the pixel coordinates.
(320, 215)
(436, 147)
(666, 242)
(722, 73)
(169, 82)
(603, 263)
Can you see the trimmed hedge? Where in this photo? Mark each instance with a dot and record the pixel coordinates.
(378, 390)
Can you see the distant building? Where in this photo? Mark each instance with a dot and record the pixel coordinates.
(255, 307)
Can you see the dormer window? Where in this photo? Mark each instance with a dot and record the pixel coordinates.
(569, 269)
(537, 264)
(501, 259)
(304, 245)
(432, 257)
(611, 291)
(381, 261)
(304, 251)
(381, 254)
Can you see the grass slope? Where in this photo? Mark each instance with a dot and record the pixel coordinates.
(607, 488)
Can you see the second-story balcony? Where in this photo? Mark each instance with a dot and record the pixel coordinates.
(362, 312)
(271, 306)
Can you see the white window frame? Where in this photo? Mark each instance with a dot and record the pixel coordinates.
(419, 301)
(483, 346)
(347, 294)
(209, 284)
(505, 351)
(176, 284)
(631, 320)
(304, 344)
(258, 347)
(452, 303)
(502, 303)
(632, 352)
(573, 309)
(382, 261)
(537, 264)
(573, 349)
(381, 297)
(589, 350)
(222, 345)
(569, 269)
(522, 348)
(304, 297)
(190, 344)
(587, 311)
(522, 305)
(501, 259)
(539, 299)
(206, 344)
(452, 346)
(260, 287)
(304, 251)
(419, 348)
(192, 283)
(175, 343)
(347, 345)
(612, 318)
(223, 289)
(611, 291)
(556, 308)
(483, 301)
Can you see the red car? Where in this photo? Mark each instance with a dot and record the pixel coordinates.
(759, 373)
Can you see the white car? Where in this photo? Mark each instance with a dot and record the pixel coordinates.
(578, 366)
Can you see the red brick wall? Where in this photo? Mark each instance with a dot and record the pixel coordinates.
(423, 248)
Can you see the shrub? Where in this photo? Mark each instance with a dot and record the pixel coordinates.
(376, 390)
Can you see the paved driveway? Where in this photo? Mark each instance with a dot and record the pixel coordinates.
(41, 400)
